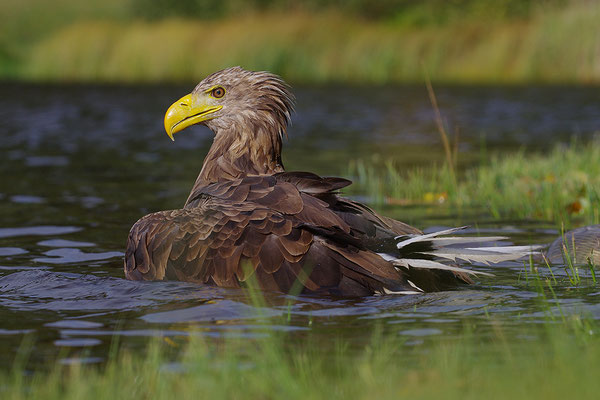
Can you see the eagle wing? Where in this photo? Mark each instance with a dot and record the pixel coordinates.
(287, 229)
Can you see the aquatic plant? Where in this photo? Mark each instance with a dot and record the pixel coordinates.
(561, 186)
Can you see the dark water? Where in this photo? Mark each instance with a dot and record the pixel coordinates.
(80, 164)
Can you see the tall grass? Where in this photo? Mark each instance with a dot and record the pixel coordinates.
(563, 185)
(561, 362)
(24, 23)
(550, 46)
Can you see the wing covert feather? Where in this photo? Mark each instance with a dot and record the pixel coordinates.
(287, 230)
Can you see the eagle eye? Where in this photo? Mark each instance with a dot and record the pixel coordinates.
(217, 92)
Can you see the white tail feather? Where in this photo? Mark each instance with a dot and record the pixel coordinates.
(526, 250)
(484, 258)
(446, 241)
(430, 264)
(448, 248)
(484, 255)
(415, 286)
(388, 291)
(422, 238)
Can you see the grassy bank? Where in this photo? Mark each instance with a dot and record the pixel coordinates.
(562, 186)
(548, 45)
(561, 362)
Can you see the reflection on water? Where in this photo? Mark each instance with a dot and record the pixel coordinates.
(37, 231)
(68, 255)
(64, 243)
(82, 163)
(11, 251)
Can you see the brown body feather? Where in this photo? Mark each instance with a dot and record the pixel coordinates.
(284, 228)
(246, 217)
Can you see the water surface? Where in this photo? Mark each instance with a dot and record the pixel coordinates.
(80, 164)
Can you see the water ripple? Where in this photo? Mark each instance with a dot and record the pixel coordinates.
(69, 255)
(11, 251)
(47, 230)
(26, 199)
(74, 324)
(61, 291)
(220, 310)
(46, 161)
(77, 342)
(64, 243)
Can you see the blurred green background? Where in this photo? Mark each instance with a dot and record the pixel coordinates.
(311, 41)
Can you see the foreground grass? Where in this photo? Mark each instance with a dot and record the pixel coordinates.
(561, 363)
(555, 45)
(555, 357)
(563, 185)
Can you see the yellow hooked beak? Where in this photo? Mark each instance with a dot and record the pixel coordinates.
(184, 113)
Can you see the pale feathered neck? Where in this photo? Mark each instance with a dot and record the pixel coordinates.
(254, 149)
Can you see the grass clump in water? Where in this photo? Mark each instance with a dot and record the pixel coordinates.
(562, 186)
